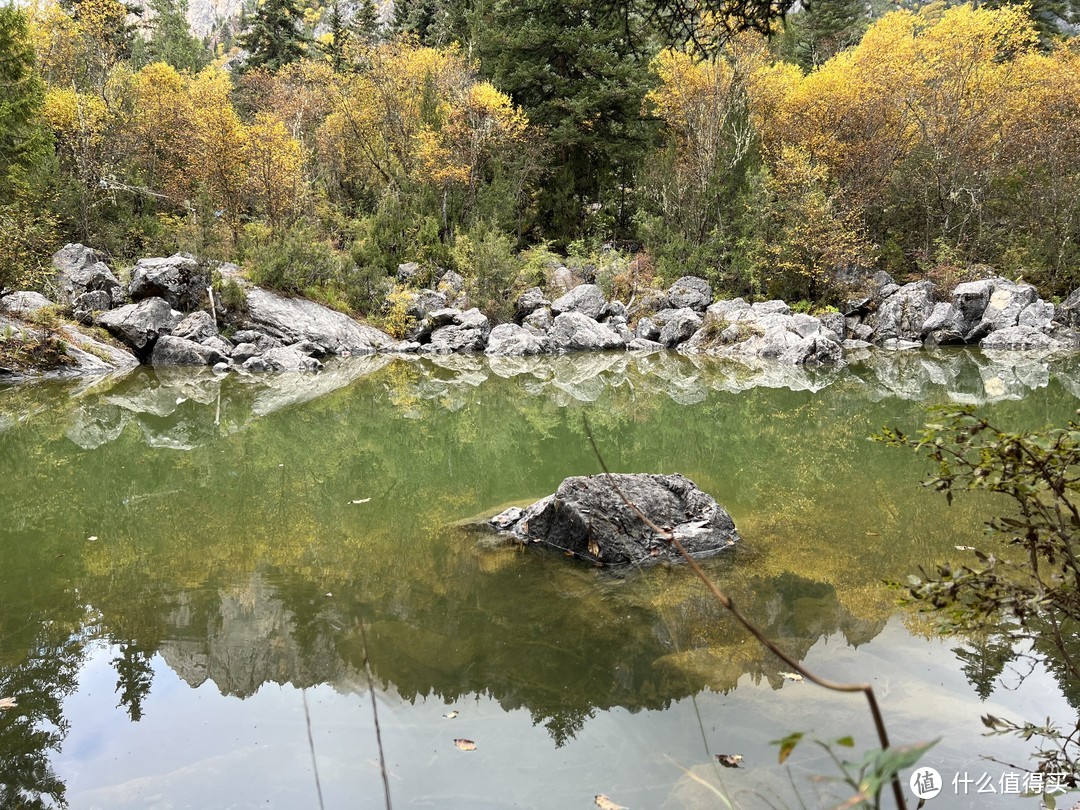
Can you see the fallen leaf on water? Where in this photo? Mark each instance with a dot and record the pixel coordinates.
(92, 538)
(450, 715)
(965, 548)
(604, 803)
(360, 500)
(8, 703)
(594, 548)
(328, 594)
(465, 745)
(729, 760)
(793, 676)
(873, 534)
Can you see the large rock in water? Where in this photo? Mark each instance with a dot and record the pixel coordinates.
(295, 319)
(589, 518)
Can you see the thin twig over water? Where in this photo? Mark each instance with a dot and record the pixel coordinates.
(769, 644)
(375, 716)
(311, 748)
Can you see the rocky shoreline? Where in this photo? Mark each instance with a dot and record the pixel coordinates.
(166, 315)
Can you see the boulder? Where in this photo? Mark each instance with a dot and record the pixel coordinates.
(835, 323)
(615, 309)
(407, 271)
(196, 327)
(1007, 301)
(679, 327)
(1020, 338)
(179, 279)
(528, 302)
(79, 269)
(283, 358)
(584, 298)
(575, 332)
(539, 322)
(561, 279)
(647, 329)
(261, 341)
(945, 326)
(139, 325)
(970, 300)
(588, 518)
(170, 350)
(452, 285)
(455, 338)
(690, 292)
(651, 301)
(424, 302)
(1069, 311)
(903, 313)
(643, 345)
(294, 319)
(23, 304)
(511, 339)
(86, 306)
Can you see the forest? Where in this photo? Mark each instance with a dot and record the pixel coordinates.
(320, 147)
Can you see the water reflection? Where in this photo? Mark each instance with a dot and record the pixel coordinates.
(239, 529)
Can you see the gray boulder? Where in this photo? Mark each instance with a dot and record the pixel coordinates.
(576, 332)
(587, 299)
(260, 340)
(453, 286)
(79, 269)
(511, 339)
(588, 518)
(179, 279)
(86, 306)
(903, 313)
(1020, 338)
(1003, 309)
(284, 358)
(455, 338)
(170, 350)
(243, 352)
(690, 291)
(407, 271)
(294, 319)
(425, 302)
(139, 325)
(945, 326)
(970, 300)
(528, 302)
(835, 323)
(539, 321)
(196, 327)
(680, 327)
(643, 345)
(647, 329)
(23, 304)
(1069, 311)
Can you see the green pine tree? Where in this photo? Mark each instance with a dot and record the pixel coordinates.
(275, 36)
(23, 140)
(823, 29)
(576, 76)
(170, 39)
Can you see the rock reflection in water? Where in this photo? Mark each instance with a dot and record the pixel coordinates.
(184, 408)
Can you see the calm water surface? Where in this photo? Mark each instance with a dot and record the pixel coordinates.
(187, 562)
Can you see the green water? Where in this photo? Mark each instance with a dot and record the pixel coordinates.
(187, 562)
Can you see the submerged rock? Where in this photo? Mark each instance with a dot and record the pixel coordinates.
(588, 518)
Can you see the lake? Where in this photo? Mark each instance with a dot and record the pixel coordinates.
(203, 579)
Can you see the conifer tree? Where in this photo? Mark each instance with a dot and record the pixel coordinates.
(275, 36)
(170, 39)
(577, 77)
(22, 137)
